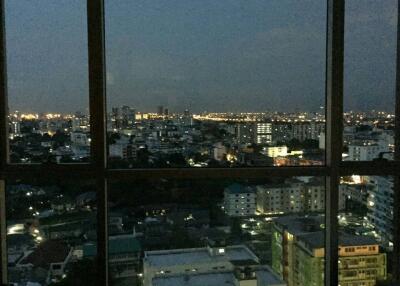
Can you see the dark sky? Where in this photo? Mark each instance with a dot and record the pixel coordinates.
(228, 55)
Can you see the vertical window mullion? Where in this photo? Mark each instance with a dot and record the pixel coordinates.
(3, 93)
(3, 145)
(396, 198)
(334, 118)
(96, 49)
(3, 232)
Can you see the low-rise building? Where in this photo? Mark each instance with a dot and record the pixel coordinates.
(213, 265)
(240, 200)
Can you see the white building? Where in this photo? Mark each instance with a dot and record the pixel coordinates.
(239, 200)
(364, 151)
(212, 266)
(380, 205)
(321, 141)
(276, 151)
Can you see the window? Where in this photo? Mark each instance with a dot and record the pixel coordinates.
(369, 80)
(51, 227)
(201, 84)
(47, 81)
(176, 62)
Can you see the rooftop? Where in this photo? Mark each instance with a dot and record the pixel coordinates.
(297, 225)
(316, 240)
(119, 244)
(166, 258)
(207, 279)
(239, 189)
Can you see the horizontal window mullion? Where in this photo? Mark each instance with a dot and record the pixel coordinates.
(216, 173)
(381, 168)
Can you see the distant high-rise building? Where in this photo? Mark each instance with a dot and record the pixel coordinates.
(80, 122)
(245, 133)
(249, 133)
(160, 110)
(127, 117)
(166, 111)
(115, 118)
(15, 128)
(263, 133)
(307, 130)
(281, 132)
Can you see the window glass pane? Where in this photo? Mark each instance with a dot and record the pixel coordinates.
(47, 75)
(49, 225)
(369, 79)
(366, 230)
(207, 232)
(215, 83)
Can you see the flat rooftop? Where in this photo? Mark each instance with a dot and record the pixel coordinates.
(298, 225)
(166, 258)
(208, 279)
(264, 277)
(316, 240)
(239, 189)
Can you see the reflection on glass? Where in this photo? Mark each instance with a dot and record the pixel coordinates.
(167, 232)
(48, 226)
(216, 84)
(47, 81)
(366, 230)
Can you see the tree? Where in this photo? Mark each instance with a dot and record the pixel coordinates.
(81, 273)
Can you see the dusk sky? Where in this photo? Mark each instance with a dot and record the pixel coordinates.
(228, 55)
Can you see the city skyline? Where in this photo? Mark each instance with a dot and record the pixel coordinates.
(217, 57)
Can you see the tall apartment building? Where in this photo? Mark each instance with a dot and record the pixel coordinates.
(280, 198)
(263, 133)
(249, 133)
(364, 152)
(127, 116)
(281, 131)
(298, 254)
(380, 206)
(308, 130)
(239, 200)
(294, 195)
